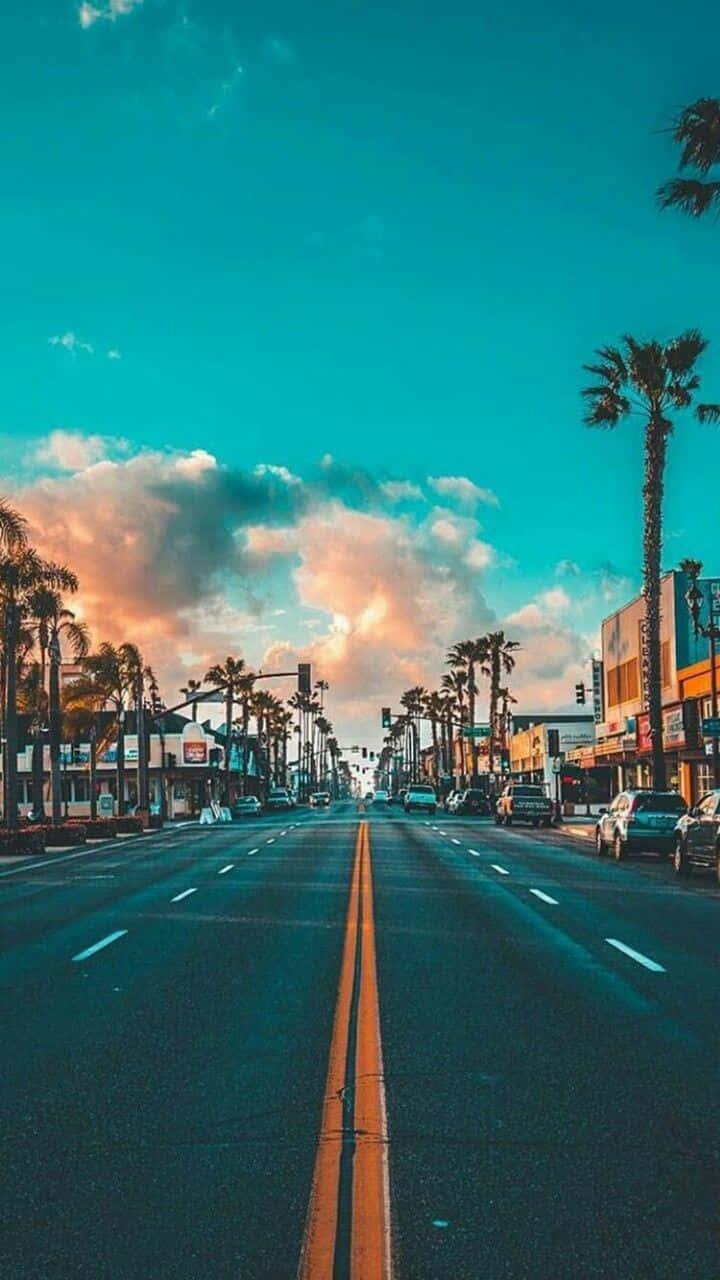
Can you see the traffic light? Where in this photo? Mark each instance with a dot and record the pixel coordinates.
(580, 694)
(214, 757)
(505, 761)
(364, 753)
(386, 718)
(553, 742)
(304, 678)
(372, 755)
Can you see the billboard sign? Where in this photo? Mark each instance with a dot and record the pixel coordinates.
(195, 752)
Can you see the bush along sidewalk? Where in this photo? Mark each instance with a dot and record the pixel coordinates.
(22, 842)
(129, 826)
(69, 833)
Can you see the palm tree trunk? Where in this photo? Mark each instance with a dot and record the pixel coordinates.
(228, 732)
(436, 752)
(245, 731)
(93, 771)
(142, 757)
(120, 763)
(473, 742)
(655, 447)
(494, 688)
(11, 727)
(55, 723)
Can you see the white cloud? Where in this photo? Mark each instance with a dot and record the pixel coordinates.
(114, 354)
(197, 462)
(479, 555)
(89, 14)
(281, 473)
(555, 599)
(400, 490)
(463, 490)
(71, 451)
(446, 530)
(70, 342)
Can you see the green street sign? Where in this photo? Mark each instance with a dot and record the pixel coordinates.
(476, 731)
(711, 727)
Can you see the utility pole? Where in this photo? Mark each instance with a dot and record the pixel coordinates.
(695, 598)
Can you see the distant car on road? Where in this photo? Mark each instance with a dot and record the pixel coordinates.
(450, 800)
(642, 820)
(524, 802)
(247, 807)
(399, 796)
(419, 796)
(278, 799)
(320, 800)
(472, 801)
(697, 837)
(382, 797)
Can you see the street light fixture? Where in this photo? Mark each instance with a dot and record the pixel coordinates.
(695, 598)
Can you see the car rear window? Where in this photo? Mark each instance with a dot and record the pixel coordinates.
(527, 791)
(424, 791)
(659, 802)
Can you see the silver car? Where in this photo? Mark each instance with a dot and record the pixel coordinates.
(639, 821)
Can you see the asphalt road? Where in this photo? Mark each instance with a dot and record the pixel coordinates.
(212, 1093)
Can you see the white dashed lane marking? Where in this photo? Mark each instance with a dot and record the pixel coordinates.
(645, 961)
(545, 897)
(223, 870)
(500, 870)
(98, 946)
(185, 894)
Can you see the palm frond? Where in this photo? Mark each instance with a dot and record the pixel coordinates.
(708, 412)
(682, 353)
(690, 195)
(698, 129)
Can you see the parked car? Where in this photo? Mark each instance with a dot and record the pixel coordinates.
(449, 799)
(419, 796)
(399, 797)
(642, 820)
(472, 801)
(247, 807)
(382, 797)
(278, 799)
(524, 802)
(697, 837)
(320, 800)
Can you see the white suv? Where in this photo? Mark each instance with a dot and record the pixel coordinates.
(420, 797)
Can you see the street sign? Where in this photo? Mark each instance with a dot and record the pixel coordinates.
(557, 766)
(711, 727)
(476, 731)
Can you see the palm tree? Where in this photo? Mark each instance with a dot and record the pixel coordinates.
(697, 131)
(413, 700)
(263, 706)
(22, 572)
(230, 676)
(434, 707)
(466, 656)
(109, 676)
(500, 661)
(32, 701)
(189, 690)
(652, 380)
(52, 624)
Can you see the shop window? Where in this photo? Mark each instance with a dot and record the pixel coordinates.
(81, 791)
(623, 682)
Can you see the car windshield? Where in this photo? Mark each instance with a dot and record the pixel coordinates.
(475, 793)
(659, 802)
(527, 791)
(424, 791)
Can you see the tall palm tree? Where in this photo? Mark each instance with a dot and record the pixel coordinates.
(32, 701)
(263, 706)
(697, 132)
(22, 572)
(434, 707)
(109, 677)
(467, 656)
(189, 690)
(652, 380)
(54, 625)
(413, 700)
(500, 662)
(229, 675)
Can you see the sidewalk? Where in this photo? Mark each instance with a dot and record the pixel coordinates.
(579, 826)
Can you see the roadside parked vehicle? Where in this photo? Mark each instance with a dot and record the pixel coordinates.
(320, 800)
(278, 799)
(419, 796)
(382, 797)
(472, 801)
(399, 797)
(247, 807)
(524, 802)
(697, 837)
(450, 799)
(639, 821)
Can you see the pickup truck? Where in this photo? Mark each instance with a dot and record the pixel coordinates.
(524, 802)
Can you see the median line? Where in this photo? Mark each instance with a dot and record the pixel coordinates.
(98, 946)
(638, 956)
(347, 1229)
(454, 841)
(475, 853)
(185, 894)
(500, 870)
(224, 870)
(250, 852)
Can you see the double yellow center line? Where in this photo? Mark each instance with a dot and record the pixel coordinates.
(347, 1231)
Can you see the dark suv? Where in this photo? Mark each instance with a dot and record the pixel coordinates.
(697, 837)
(640, 821)
(472, 801)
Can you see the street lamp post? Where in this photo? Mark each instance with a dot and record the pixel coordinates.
(695, 598)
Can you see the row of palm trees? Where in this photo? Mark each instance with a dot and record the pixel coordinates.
(450, 709)
(37, 629)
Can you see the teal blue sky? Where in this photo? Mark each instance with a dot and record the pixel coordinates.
(388, 232)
